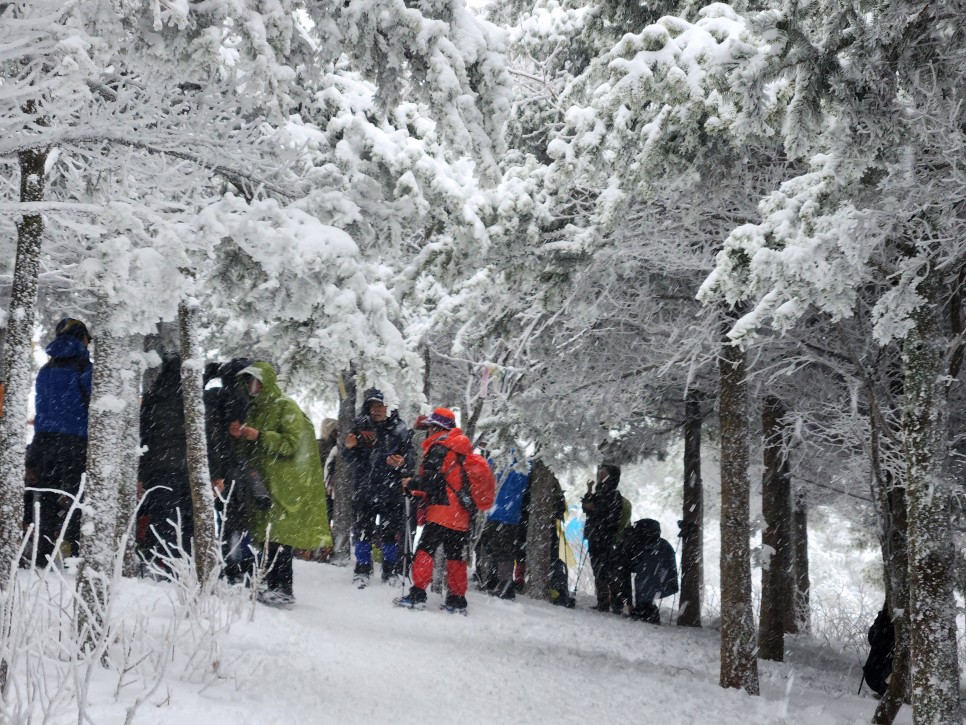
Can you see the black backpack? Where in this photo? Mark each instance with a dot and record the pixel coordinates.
(878, 666)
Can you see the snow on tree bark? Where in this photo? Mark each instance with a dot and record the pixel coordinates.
(540, 531)
(935, 670)
(739, 665)
(130, 443)
(775, 539)
(205, 546)
(16, 360)
(105, 468)
(692, 519)
(342, 487)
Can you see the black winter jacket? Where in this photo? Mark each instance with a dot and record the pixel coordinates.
(162, 427)
(651, 559)
(375, 482)
(603, 520)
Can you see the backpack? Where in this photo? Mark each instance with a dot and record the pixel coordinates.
(878, 666)
(478, 480)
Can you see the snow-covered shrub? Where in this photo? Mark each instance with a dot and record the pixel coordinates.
(165, 628)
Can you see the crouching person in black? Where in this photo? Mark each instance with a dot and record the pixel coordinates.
(650, 560)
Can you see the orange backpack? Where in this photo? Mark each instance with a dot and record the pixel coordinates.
(482, 482)
(478, 491)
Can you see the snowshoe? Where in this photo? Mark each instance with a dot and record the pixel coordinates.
(276, 600)
(360, 580)
(408, 602)
(453, 610)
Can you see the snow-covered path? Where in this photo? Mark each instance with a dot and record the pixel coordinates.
(348, 656)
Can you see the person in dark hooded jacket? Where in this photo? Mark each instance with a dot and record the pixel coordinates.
(163, 466)
(58, 453)
(604, 508)
(380, 452)
(234, 483)
(651, 561)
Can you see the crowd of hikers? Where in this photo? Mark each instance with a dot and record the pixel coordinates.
(272, 480)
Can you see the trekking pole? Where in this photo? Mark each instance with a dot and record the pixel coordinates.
(580, 566)
(407, 549)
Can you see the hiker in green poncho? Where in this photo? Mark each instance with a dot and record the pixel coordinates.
(279, 441)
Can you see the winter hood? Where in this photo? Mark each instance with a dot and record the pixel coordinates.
(265, 374)
(67, 346)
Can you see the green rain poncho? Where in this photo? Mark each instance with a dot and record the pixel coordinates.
(287, 455)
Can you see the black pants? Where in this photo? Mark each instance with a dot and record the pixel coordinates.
(279, 576)
(169, 511)
(498, 548)
(389, 528)
(59, 461)
(610, 579)
(452, 541)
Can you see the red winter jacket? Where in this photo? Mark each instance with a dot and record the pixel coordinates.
(449, 514)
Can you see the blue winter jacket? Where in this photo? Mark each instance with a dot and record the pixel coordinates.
(508, 506)
(64, 388)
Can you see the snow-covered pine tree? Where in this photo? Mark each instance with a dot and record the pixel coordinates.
(876, 209)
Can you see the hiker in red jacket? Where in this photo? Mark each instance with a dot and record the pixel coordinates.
(447, 522)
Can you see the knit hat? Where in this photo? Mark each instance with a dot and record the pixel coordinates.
(443, 417)
(372, 394)
(73, 328)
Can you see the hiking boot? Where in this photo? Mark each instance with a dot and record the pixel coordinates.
(360, 579)
(416, 599)
(393, 580)
(392, 574)
(506, 590)
(455, 604)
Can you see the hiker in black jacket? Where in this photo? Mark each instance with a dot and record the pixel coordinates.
(163, 466)
(651, 561)
(604, 508)
(236, 490)
(381, 453)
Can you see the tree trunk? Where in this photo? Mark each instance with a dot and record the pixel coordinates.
(17, 362)
(105, 432)
(801, 582)
(541, 531)
(898, 605)
(739, 666)
(342, 486)
(205, 547)
(935, 670)
(692, 520)
(127, 495)
(776, 505)
(891, 498)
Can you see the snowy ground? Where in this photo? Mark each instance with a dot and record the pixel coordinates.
(348, 656)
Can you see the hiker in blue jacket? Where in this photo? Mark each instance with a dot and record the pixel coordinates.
(502, 533)
(58, 452)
